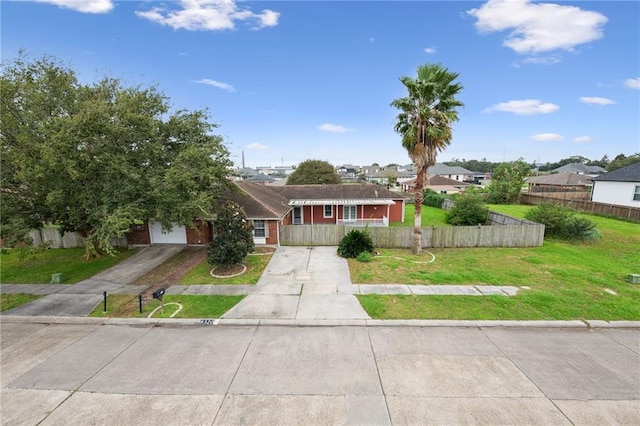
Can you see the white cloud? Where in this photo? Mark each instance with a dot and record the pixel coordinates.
(582, 139)
(334, 128)
(257, 146)
(84, 6)
(596, 100)
(218, 84)
(545, 137)
(209, 15)
(430, 50)
(632, 83)
(524, 107)
(539, 27)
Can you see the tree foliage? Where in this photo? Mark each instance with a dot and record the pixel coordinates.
(425, 123)
(312, 172)
(432, 199)
(233, 238)
(506, 182)
(355, 243)
(622, 161)
(468, 210)
(562, 222)
(97, 158)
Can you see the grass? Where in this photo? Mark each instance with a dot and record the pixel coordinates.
(567, 280)
(10, 301)
(194, 306)
(431, 216)
(36, 268)
(255, 264)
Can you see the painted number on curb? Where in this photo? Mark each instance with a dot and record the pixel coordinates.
(208, 322)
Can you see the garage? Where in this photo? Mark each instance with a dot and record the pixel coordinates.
(177, 235)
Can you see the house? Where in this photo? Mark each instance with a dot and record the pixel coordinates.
(620, 187)
(441, 185)
(559, 182)
(452, 172)
(270, 207)
(348, 172)
(581, 169)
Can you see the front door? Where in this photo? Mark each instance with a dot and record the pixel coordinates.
(297, 216)
(349, 213)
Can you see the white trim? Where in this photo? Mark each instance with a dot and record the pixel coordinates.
(324, 211)
(293, 215)
(344, 202)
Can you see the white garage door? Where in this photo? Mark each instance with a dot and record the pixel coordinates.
(177, 235)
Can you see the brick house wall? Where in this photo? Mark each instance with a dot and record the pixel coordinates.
(139, 235)
(201, 235)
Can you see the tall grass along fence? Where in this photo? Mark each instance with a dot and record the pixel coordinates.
(504, 231)
(69, 240)
(621, 212)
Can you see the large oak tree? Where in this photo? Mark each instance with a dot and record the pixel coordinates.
(97, 158)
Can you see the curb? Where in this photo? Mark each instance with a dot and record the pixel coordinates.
(187, 322)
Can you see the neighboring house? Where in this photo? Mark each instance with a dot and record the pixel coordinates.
(580, 169)
(441, 185)
(620, 187)
(261, 179)
(386, 176)
(348, 172)
(559, 182)
(452, 172)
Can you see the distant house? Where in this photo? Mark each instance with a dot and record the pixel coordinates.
(261, 179)
(439, 184)
(620, 187)
(452, 172)
(580, 169)
(559, 182)
(348, 172)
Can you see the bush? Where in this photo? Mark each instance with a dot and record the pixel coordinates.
(432, 199)
(365, 257)
(233, 238)
(562, 222)
(354, 243)
(468, 210)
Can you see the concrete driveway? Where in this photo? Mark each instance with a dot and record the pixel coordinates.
(302, 283)
(80, 299)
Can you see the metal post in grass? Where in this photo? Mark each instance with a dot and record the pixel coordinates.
(104, 294)
(140, 301)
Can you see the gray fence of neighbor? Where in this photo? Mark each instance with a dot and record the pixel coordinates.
(504, 231)
(622, 212)
(69, 240)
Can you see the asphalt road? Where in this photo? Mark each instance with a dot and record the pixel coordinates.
(83, 373)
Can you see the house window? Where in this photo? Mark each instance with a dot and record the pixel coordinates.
(328, 211)
(260, 229)
(298, 218)
(349, 213)
(636, 194)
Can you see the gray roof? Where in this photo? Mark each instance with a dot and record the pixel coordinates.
(561, 179)
(580, 168)
(630, 173)
(443, 169)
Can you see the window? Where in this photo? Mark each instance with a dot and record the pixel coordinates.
(328, 211)
(636, 194)
(260, 229)
(350, 213)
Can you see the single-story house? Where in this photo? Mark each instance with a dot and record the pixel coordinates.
(440, 184)
(581, 169)
(620, 187)
(270, 207)
(559, 182)
(452, 172)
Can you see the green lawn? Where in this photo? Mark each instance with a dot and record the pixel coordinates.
(567, 280)
(431, 216)
(194, 306)
(10, 301)
(255, 264)
(37, 268)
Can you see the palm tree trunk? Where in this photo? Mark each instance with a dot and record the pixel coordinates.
(417, 221)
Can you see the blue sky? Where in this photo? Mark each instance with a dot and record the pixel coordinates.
(293, 80)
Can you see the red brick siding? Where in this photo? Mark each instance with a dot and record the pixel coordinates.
(396, 212)
(201, 235)
(139, 235)
(273, 232)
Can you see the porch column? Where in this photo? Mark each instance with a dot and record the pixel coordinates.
(311, 207)
(388, 211)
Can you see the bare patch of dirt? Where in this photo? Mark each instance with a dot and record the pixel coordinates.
(172, 271)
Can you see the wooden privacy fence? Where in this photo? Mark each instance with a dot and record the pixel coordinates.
(622, 212)
(511, 235)
(69, 240)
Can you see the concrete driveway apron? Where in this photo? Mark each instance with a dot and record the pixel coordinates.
(302, 283)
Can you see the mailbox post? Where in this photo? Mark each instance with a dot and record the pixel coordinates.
(158, 295)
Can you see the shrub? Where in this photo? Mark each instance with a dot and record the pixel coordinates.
(432, 199)
(354, 243)
(562, 222)
(469, 210)
(233, 238)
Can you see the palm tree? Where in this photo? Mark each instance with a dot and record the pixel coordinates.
(425, 120)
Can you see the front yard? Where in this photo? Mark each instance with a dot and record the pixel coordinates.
(565, 280)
